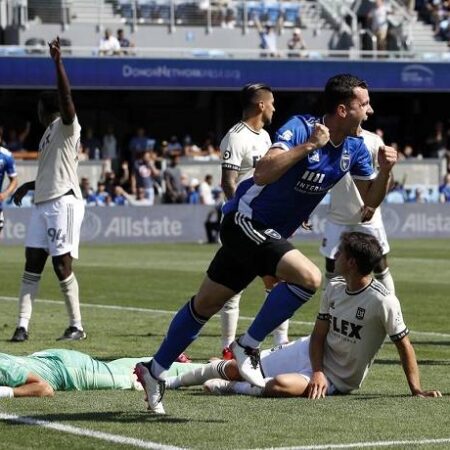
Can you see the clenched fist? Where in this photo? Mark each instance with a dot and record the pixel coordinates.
(320, 136)
(387, 157)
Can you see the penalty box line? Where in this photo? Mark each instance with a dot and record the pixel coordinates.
(164, 311)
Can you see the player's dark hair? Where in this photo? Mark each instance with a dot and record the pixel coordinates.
(364, 248)
(251, 93)
(50, 101)
(340, 89)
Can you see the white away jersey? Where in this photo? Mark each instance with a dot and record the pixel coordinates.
(359, 323)
(346, 202)
(242, 147)
(58, 161)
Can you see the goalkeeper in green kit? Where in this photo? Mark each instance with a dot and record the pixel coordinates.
(47, 371)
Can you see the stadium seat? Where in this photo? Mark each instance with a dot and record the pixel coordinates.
(146, 9)
(291, 14)
(272, 12)
(36, 46)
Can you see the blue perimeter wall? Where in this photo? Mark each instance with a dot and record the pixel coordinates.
(204, 74)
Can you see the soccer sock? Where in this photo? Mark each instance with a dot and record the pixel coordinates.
(386, 279)
(229, 316)
(280, 334)
(70, 291)
(279, 306)
(28, 292)
(214, 369)
(183, 330)
(245, 388)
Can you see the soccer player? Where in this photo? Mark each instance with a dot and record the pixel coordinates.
(356, 314)
(346, 212)
(47, 371)
(58, 209)
(240, 149)
(310, 155)
(8, 167)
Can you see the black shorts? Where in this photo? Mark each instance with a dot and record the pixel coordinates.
(249, 249)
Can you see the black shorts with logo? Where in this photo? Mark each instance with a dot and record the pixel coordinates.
(249, 249)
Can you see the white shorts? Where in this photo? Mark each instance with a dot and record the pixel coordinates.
(333, 232)
(55, 226)
(290, 358)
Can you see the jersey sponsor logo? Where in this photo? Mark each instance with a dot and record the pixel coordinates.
(287, 135)
(272, 233)
(314, 156)
(311, 182)
(345, 160)
(226, 155)
(346, 328)
(360, 313)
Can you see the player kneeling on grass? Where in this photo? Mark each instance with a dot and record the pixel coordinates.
(356, 314)
(43, 373)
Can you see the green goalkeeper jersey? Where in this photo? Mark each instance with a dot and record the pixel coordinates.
(68, 370)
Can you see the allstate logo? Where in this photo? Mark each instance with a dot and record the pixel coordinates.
(91, 226)
(391, 220)
(417, 75)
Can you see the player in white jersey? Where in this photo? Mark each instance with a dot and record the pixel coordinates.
(8, 168)
(356, 314)
(345, 213)
(58, 209)
(240, 149)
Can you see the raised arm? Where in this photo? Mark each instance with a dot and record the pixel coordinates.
(277, 162)
(411, 369)
(65, 97)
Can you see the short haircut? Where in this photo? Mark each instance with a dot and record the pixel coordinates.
(364, 248)
(340, 89)
(50, 101)
(251, 93)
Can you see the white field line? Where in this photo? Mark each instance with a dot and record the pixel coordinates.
(365, 444)
(116, 438)
(163, 311)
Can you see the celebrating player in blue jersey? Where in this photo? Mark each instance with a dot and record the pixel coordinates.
(309, 156)
(8, 167)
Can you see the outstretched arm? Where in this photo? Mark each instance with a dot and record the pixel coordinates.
(33, 387)
(65, 97)
(411, 369)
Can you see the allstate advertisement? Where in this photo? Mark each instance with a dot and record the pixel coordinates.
(186, 223)
(138, 73)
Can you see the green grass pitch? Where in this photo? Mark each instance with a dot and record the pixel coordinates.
(161, 278)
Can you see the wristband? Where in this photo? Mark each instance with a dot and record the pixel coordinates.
(6, 392)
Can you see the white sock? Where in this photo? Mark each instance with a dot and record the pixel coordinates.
(69, 288)
(195, 377)
(386, 279)
(229, 316)
(247, 341)
(245, 388)
(28, 292)
(280, 334)
(158, 371)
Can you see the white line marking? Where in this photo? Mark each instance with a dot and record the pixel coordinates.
(163, 311)
(364, 444)
(116, 438)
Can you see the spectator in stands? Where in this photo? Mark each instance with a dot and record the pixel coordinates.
(444, 190)
(174, 147)
(92, 144)
(145, 175)
(87, 192)
(125, 44)
(101, 194)
(119, 197)
(138, 200)
(109, 149)
(213, 219)
(396, 194)
(16, 139)
(229, 19)
(436, 143)
(109, 45)
(193, 197)
(205, 191)
(268, 38)
(296, 44)
(109, 178)
(378, 21)
(420, 195)
(140, 143)
(175, 190)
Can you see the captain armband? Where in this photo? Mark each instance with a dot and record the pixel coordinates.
(322, 316)
(399, 336)
(230, 166)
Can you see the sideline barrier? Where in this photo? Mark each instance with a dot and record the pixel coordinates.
(185, 223)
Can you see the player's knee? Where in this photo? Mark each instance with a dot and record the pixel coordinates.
(312, 278)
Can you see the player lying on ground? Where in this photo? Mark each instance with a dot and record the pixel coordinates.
(356, 314)
(43, 373)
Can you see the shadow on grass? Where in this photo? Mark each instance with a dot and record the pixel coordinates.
(425, 362)
(115, 417)
(438, 343)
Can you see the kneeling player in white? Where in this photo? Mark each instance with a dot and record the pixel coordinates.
(347, 212)
(356, 314)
